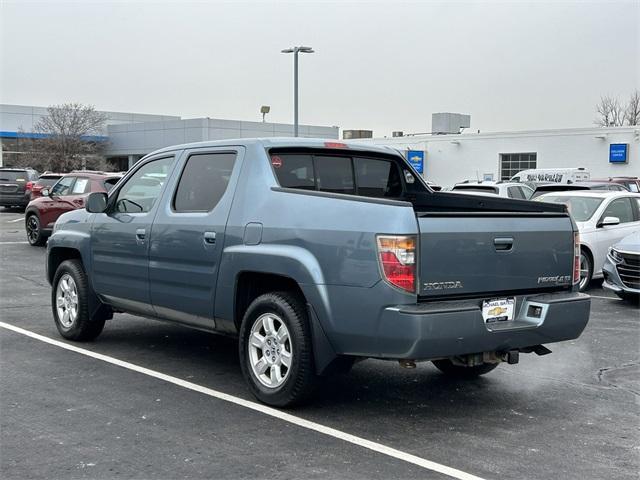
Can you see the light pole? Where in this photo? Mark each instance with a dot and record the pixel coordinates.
(295, 51)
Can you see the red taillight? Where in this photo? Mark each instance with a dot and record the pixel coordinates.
(397, 254)
(28, 186)
(576, 258)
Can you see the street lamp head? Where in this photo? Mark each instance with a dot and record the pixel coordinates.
(298, 50)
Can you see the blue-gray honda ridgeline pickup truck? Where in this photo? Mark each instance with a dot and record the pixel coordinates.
(315, 254)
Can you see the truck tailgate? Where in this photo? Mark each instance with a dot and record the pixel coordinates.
(476, 253)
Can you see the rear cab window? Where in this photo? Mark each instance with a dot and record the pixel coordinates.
(341, 173)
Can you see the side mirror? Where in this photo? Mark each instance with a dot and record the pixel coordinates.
(45, 192)
(608, 221)
(96, 202)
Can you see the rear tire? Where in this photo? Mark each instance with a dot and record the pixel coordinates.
(69, 303)
(447, 367)
(586, 270)
(276, 353)
(34, 231)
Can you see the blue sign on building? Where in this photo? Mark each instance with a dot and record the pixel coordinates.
(618, 152)
(416, 159)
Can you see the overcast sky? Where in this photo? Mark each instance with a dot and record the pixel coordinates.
(383, 66)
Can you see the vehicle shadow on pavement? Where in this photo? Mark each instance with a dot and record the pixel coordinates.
(212, 360)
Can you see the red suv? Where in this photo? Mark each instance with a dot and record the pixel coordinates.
(69, 193)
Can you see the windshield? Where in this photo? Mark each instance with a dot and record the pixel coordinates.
(475, 188)
(580, 208)
(48, 181)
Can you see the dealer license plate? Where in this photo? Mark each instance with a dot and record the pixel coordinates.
(498, 309)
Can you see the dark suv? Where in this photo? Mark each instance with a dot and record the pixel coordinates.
(13, 186)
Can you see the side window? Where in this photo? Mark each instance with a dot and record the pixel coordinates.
(515, 192)
(377, 178)
(334, 174)
(294, 171)
(621, 208)
(203, 182)
(140, 192)
(80, 186)
(63, 187)
(633, 187)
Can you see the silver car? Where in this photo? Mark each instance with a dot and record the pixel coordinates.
(622, 268)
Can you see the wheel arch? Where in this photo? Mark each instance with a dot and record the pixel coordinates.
(250, 284)
(55, 257)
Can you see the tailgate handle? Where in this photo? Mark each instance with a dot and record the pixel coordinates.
(503, 243)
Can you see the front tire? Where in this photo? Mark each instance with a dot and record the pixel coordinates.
(69, 303)
(275, 349)
(447, 367)
(34, 231)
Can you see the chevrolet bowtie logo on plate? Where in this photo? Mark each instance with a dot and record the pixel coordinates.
(495, 311)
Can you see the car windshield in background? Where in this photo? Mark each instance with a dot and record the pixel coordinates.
(47, 181)
(13, 176)
(580, 208)
(476, 189)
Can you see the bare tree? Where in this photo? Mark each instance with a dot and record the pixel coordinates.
(610, 112)
(632, 112)
(69, 138)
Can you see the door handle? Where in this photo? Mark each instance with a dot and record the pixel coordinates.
(505, 243)
(210, 238)
(141, 233)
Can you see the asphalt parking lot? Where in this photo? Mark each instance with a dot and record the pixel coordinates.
(67, 414)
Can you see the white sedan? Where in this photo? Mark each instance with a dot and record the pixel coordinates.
(603, 219)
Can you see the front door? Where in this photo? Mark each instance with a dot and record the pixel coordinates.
(120, 238)
(188, 235)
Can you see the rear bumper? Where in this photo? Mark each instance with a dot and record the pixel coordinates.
(449, 328)
(11, 199)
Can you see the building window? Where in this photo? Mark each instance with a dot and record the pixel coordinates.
(512, 163)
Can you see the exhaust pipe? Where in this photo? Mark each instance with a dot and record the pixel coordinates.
(409, 364)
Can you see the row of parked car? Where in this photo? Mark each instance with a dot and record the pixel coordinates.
(47, 196)
(606, 211)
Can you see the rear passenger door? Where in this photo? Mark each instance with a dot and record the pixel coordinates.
(188, 236)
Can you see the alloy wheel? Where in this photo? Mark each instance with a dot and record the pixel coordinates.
(270, 352)
(67, 301)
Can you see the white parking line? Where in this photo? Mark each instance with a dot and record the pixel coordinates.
(16, 220)
(272, 412)
(606, 298)
(13, 243)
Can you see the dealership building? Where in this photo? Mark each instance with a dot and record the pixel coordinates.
(130, 136)
(447, 157)
(444, 156)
